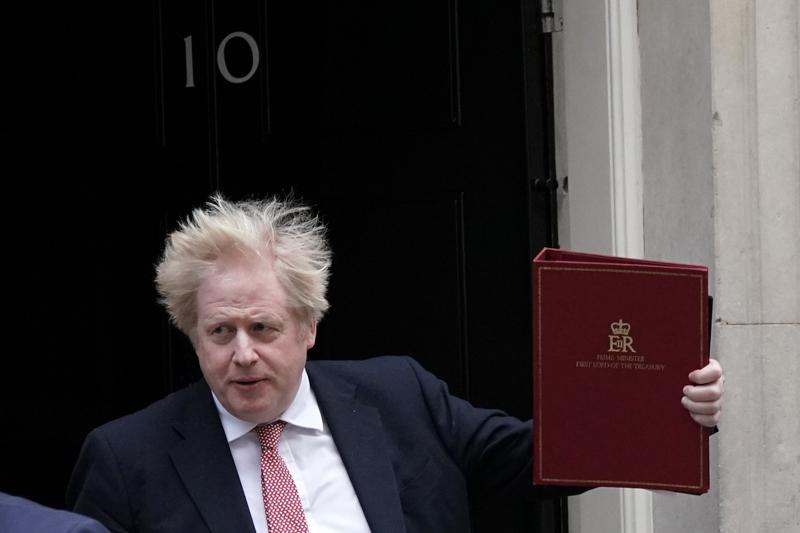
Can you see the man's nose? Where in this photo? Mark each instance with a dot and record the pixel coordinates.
(244, 351)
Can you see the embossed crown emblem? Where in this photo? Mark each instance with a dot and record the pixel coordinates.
(620, 328)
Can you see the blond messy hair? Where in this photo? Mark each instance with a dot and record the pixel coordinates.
(281, 229)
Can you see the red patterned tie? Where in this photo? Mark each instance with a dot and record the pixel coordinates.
(281, 502)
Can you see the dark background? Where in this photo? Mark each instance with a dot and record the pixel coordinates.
(420, 130)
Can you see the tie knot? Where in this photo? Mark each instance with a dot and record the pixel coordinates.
(269, 434)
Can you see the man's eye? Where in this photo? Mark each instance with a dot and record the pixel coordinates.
(220, 330)
(259, 326)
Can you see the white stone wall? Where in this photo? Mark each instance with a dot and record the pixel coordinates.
(720, 158)
(755, 62)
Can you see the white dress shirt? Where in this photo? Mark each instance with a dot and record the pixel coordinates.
(307, 448)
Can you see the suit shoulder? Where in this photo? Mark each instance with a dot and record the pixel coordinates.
(373, 366)
(175, 406)
(386, 375)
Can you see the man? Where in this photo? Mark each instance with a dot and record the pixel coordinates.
(19, 515)
(269, 441)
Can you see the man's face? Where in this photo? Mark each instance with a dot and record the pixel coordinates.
(251, 346)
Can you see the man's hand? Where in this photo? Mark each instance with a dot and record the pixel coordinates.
(703, 400)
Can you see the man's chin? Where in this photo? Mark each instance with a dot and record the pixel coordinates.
(257, 413)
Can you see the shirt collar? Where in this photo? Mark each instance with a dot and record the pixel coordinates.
(302, 412)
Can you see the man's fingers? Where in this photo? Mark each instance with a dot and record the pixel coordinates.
(703, 400)
(701, 408)
(708, 374)
(708, 421)
(705, 393)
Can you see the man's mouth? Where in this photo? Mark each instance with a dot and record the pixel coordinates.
(248, 382)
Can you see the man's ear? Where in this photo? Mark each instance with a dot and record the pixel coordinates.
(311, 337)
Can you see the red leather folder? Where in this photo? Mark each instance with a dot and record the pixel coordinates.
(614, 342)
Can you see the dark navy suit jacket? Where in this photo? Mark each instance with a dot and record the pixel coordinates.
(412, 451)
(19, 515)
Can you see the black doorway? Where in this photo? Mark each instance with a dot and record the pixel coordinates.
(419, 130)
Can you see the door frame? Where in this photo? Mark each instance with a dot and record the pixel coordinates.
(599, 165)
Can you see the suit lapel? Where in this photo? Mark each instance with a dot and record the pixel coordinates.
(359, 436)
(204, 463)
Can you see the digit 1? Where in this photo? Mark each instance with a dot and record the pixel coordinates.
(187, 45)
